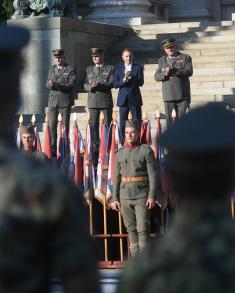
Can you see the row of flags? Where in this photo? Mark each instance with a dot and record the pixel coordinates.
(75, 155)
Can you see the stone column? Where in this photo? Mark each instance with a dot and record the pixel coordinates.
(192, 10)
(123, 12)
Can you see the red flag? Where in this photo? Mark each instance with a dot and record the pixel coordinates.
(145, 132)
(77, 158)
(37, 142)
(47, 142)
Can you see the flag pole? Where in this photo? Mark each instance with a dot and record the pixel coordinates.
(90, 202)
(157, 117)
(104, 210)
(232, 209)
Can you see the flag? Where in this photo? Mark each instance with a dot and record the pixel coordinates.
(37, 142)
(77, 148)
(102, 167)
(47, 142)
(114, 138)
(18, 137)
(63, 150)
(88, 165)
(158, 150)
(145, 132)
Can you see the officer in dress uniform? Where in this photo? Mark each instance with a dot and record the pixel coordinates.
(98, 84)
(28, 147)
(197, 253)
(135, 186)
(174, 70)
(60, 82)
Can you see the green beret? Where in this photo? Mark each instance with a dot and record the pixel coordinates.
(27, 130)
(133, 124)
(168, 43)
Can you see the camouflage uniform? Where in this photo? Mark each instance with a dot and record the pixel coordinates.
(43, 225)
(138, 162)
(196, 255)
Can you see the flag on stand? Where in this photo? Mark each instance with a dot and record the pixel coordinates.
(63, 150)
(77, 148)
(102, 167)
(114, 138)
(88, 165)
(37, 142)
(145, 132)
(47, 141)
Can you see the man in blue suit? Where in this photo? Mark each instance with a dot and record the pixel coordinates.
(128, 77)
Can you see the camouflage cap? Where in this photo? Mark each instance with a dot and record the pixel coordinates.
(168, 43)
(12, 39)
(96, 52)
(133, 124)
(27, 130)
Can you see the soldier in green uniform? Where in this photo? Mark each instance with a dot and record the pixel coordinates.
(28, 139)
(43, 226)
(98, 84)
(174, 70)
(196, 255)
(135, 186)
(60, 82)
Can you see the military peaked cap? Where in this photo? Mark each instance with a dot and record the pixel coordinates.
(168, 43)
(96, 51)
(27, 130)
(12, 38)
(58, 52)
(208, 128)
(133, 123)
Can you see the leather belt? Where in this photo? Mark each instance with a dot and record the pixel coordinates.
(126, 179)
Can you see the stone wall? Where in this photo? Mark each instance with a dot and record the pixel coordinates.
(75, 36)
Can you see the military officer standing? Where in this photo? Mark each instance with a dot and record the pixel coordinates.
(60, 82)
(197, 253)
(98, 84)
(135, 186)
(174, 70)
(28, 147)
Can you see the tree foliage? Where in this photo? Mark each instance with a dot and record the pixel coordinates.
(6, 9)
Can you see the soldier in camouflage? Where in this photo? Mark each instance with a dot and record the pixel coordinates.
(197, 253)
(43, 226)
(135, 186)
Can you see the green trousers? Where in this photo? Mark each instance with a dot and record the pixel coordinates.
(136, 219)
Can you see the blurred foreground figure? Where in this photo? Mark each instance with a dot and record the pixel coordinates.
(197, 252)
(43, 222)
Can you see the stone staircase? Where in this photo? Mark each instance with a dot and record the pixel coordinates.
(212, 47)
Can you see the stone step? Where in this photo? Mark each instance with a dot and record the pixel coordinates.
(185, 26)
(214, 71)
(149, 79)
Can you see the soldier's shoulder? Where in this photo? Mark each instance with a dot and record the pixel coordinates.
(121, 150)
(183, 55)
(90, 67)
(145, 148)
(109, 66)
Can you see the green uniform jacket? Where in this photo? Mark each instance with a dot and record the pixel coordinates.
(61, 93)
(136, 162)
(102, 96)
(177, 86)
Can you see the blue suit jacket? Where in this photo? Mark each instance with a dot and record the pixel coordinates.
(129, 90)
